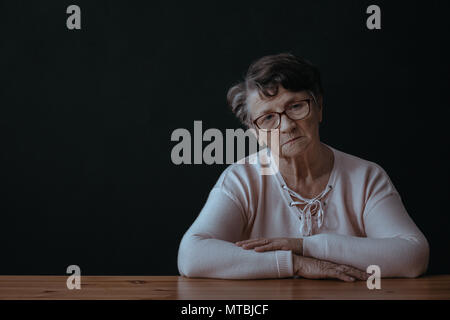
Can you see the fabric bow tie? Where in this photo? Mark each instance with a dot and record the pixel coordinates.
(306, 213)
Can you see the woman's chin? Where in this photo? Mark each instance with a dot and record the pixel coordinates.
(291, 151)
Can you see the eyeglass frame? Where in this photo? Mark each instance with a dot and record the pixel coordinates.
(284, 112)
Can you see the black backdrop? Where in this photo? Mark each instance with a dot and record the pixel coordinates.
(86, 117)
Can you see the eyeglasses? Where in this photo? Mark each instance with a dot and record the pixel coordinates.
(272, 120)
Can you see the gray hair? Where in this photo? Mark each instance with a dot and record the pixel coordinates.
(266, 74)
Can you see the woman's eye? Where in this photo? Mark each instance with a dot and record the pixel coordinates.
(298, 106)
(268, 117)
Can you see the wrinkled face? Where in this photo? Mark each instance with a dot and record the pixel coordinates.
(294, 135)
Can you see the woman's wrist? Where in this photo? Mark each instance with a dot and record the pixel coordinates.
(296, 262)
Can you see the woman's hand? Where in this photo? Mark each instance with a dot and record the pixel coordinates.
(261, 245)
(311, 268)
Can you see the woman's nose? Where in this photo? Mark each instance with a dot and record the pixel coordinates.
(286, 124)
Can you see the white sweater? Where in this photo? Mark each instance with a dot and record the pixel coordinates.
(364, 223)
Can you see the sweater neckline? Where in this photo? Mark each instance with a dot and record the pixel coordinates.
(287, 196)
(331, 179)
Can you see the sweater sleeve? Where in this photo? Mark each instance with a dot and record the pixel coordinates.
(207, 249)
(393, 241)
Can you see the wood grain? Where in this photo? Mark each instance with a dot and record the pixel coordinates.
(435, 287)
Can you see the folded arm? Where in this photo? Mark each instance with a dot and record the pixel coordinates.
(393, 242)
(207, 249)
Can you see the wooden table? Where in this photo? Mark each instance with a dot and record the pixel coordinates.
(435, 287)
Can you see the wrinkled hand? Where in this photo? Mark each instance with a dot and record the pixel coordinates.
(262, 244)
(311, 268)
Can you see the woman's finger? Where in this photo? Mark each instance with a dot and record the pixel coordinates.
(267, 247)
(356, 273)
(257, 243)
(240, 243)
(345, 277)
(338, 274)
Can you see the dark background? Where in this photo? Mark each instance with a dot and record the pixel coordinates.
(86, 117)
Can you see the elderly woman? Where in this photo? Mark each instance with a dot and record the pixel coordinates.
(323, 214)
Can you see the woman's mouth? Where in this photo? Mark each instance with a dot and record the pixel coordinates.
(292, 140)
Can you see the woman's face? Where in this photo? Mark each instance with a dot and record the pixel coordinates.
(294, 135)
